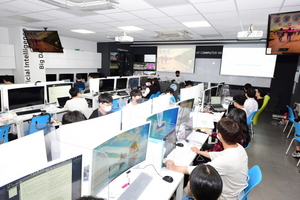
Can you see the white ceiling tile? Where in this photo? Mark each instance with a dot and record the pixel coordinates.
(58, 14)
(25, 5)
(150, 13)
(221, 16)
(179, 10)
(116, 10)
(291, 3)
(189, 18)
(80, 20)
(216, 6)
(290, 8)
(257, 4)
(138, 22)
(99, 25)
(174, 26)
(133, 5)
(99, 18)
(39, 16)
(166, 3)
(162, 20)
(122, 16)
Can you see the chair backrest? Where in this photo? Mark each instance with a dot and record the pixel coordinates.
(152, 96)
(115, 105)
(297, 129)
(157, 94)
(255, 177)
(251, 116)
(265, 103)
(41, 122)
(291, 114)
(247, 146)
(4, 133)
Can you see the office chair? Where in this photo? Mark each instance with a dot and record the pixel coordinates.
(115, 106)
(265, 103)
(255, 177)
(152, 96)
(4, 133)
(250, 121)
(296, 137)
(41, 122)
(291, 119)
(247, 146)
(157, 94)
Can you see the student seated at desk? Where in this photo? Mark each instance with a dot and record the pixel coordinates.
(105, 106)
(238, 101)
(149, 90)
(73, 116)
(260, 94)
(250, 104)
(79, 83)
(169, 91)
(135, 95)
(76, 103)
(231, 164)
(189, 84)
(205, 184)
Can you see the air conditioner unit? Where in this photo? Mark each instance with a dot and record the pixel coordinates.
(249, 35)
(124, 38)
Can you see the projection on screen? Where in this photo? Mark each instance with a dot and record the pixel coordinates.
(172, 58)
(247, 62)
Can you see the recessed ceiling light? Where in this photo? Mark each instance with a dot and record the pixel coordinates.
(130, 28)
(196, 24)
(83, 31)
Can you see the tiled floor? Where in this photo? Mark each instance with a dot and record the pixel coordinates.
(281, 176)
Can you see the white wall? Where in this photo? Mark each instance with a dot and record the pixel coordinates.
(4, 39)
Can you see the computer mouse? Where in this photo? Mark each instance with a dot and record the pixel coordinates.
(169, 179)
(179, 145)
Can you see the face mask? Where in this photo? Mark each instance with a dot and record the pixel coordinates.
(177, 75)
(107, 108)
(148, 84)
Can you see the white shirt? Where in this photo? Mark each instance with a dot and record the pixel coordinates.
(250, 106)
(232, 165)
(79, 104)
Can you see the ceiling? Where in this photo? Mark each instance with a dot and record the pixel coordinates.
(226, 17)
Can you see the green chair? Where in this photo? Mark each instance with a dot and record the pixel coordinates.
(265, 103)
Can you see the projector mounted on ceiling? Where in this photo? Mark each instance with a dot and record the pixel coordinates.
(250, 34)
(124, 38)
(174, 34)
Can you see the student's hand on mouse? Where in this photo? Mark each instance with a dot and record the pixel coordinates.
(170, 164)
(195, 149)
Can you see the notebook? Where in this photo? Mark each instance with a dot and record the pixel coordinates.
(62, 101)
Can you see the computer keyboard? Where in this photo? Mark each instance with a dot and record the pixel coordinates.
(136, 188)
(25, 112)
(122, 93)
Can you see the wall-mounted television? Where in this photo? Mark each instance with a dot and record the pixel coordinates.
(43, 41)
(283, 33)
(138, 66)
(10, 78)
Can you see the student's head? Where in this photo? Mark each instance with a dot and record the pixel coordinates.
(156, 83)
(90, 198)
(74, 91)
(105, 102)
(177, 73)
(78, 77)
(229, 129)
(247, 86)
(238, 115)
(260, 92)
(169, 91)
(189, 84)
(205, 183)
(251, 93)
(73, 116)
(136, 93)
(148, 82)
(239, 100)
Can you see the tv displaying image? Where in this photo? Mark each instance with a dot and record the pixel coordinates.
(149, 73)
(138, 73)
(283, 33)
(150, 66)
(114, 56)
(117, 155)
(113, 65)
(43, 41)
(138, 66)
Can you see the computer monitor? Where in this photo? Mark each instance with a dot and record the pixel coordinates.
(10, 78)
(55, 91)
(150, 73)
(106, 85)
(83, 76)
(51, 77)
(138, 73)
(59, 181)
(121, 83)
(117, 155)
(163, 123)
(185, 109)
(26, 96)
(69, 77)
(143, 80)
(133, 82)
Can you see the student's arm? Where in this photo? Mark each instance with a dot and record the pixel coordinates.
(171, 166)
(146, 92)
(202, 153)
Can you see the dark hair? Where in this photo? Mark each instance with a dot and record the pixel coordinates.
(247, 86)
(74, 91)
(90, 198)
(187, 83)
(205, 183)
(251, 92)
(73, 116)
(229, 129)
(135, 92)
(149, 80)
(240, 99)
(262, 92)
(177, 72)
(156, 83)
(240, 116)
(78, 76)
(105, 98)
(169, 90)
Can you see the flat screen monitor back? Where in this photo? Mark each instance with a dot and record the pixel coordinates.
(51, 77)
(121, 83)
(133, 83)
(10, 78)
(106, 85)
(66, 77)
(59, 181)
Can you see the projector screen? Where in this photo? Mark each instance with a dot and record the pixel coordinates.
(172, 58)
(247, 62)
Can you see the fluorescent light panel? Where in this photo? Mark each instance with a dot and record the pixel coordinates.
(196, 24)
(130, 28)
(83, 31)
